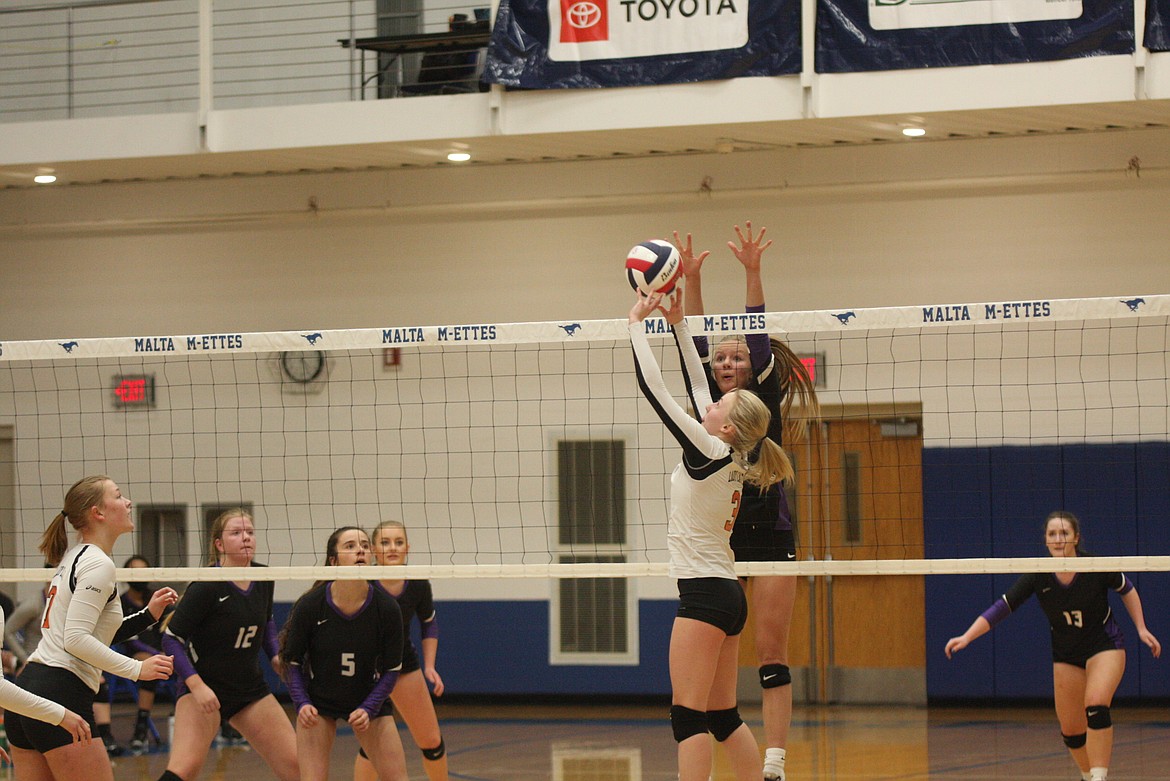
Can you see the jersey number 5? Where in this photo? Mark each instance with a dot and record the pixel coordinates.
(729, 524)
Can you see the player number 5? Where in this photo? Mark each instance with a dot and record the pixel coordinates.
(348, 667)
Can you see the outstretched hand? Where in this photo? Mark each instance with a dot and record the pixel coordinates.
(691, 265)
(670, 305)
(750, 247)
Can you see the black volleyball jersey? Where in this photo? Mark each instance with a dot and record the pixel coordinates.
(1079, 613)
(416, 599)
(343, 656)
(761, 506)
(223, 629)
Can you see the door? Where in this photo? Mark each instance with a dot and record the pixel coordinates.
(858, 495)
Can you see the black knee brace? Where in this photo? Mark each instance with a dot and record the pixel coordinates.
(773, 675)
(169, 776)
(687, 723)
(147, 686)
(1097, 717)
(723, 722)
(1074, 741)
(435, 753)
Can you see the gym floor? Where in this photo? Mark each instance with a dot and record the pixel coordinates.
(511, 742)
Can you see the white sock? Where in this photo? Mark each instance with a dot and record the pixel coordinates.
(1098, 773)
(774, 762)
(1086, 777)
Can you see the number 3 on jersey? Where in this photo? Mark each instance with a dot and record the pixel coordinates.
(729, 524)
(48, 606)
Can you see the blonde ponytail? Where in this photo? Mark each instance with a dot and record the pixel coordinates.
(85, 493)
(55, 540)
(751, 417)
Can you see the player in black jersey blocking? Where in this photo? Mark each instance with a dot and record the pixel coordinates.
(1088, 659)
(410, 695)
(342, 650)
(215, 634)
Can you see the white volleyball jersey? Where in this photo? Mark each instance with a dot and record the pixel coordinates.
(82, 615)
(15, 699)
(705, 487)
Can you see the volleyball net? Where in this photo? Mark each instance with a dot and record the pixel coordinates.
(947, 432)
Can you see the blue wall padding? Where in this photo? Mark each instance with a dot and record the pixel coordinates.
(1121, 492)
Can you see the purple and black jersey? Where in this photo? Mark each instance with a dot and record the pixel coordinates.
(1079, 615)
(217, 631)
(759, 510)
(342, 662)
(416, 600)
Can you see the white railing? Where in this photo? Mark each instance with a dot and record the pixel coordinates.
(64, 60)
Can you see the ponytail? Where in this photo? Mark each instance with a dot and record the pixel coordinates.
(796, 389)
(772, 466)
(85, 493)
(768, 463)
(55, 540)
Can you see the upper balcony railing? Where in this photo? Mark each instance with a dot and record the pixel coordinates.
(65, 60)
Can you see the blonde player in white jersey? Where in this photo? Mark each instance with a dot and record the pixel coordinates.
(82, 617)
(705, 489)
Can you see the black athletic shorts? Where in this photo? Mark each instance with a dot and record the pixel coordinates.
(762, 542)
(234, 701)
(716, 601)
(59, 685)
(1081, 656)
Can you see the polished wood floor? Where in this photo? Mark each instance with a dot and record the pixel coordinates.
(633, 743)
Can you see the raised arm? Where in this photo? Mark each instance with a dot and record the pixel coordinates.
(749, 251)
(692, 273)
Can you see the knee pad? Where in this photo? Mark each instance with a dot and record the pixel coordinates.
(1097, 717)
(686, 723)
(723, 722)
(362, 753)
(1074, 741)
(774, 675)
(147, 686)
(435, 753)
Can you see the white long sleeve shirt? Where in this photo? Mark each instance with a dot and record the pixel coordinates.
(82, 615)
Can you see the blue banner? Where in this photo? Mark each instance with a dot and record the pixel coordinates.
(873, 35)
(1158, 25)
(557, 44)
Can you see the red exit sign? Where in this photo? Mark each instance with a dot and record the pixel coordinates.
(134, 391)
(814, 363)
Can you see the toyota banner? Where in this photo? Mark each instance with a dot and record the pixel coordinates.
(556, 44)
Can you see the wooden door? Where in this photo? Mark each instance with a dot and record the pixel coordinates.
(858, 495)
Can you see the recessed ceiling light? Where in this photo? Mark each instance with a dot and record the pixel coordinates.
(44, 178)
(913, 132)
(458, 157)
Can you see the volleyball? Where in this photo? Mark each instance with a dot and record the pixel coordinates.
(653, 267)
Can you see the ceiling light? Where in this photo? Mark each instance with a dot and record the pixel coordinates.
(913, 132)
(458, 157)
(44, 178)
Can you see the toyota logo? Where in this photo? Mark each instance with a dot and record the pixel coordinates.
(583, 14)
